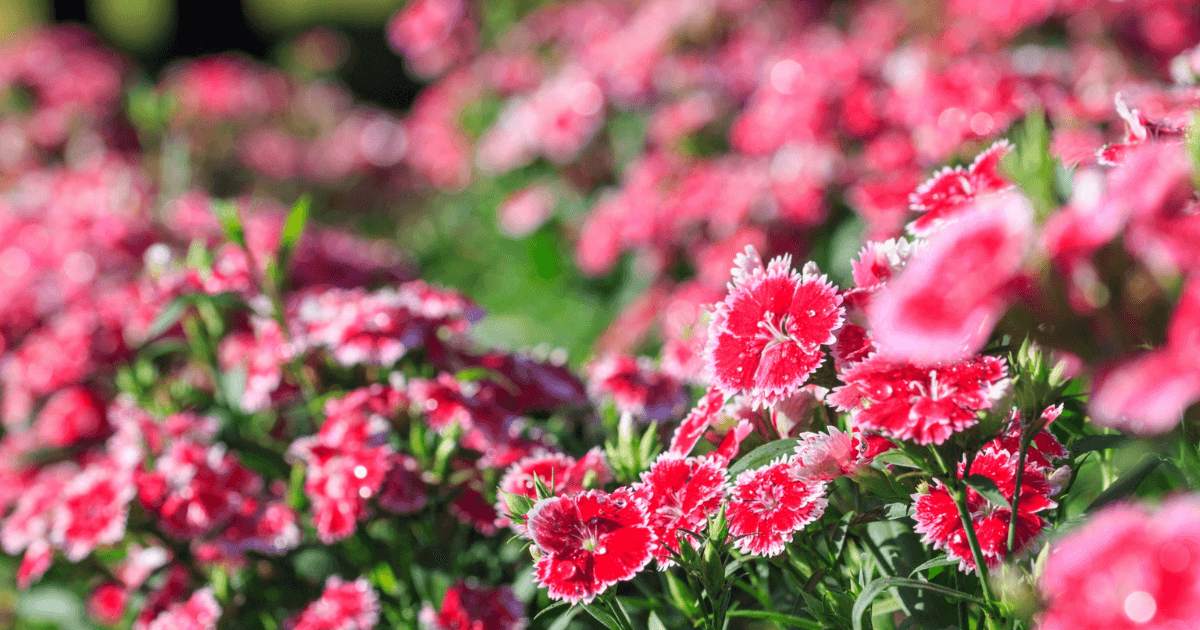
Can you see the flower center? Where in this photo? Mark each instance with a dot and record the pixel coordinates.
(774, 333)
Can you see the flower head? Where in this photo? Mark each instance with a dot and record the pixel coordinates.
(468, 606)
(680, 493)
(1126, 569)
(925, 404)
(950, 190)
(199, 612)
(561, 474)
(588, 542)
(769, 505)
(342, 605)
(765, 337)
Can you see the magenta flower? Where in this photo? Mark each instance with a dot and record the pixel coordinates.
(769, 505)
(680, 493)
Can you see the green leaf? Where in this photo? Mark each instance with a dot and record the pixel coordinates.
(603, 616)
(564, 620)
(897, 510)
(872, 590)
(988, 489)
(168, 317)
(787, 621)
(1127, 484)
(763, 455)
(227, 214)
(554, 606)
(293, 229)
(940, 561)
(1089, 443)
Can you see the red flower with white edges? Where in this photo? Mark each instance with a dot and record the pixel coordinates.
(199, 612)
(261, 353)
(941, 527)
(769, 505)
(1043, 450)
(728, 449)
(1139, 130)
(827, 456)
(560, 473)
(468, 606)
(34, 564)
(342, 606)
(699, 419)
(1126, 569)
(588, 542)
(196, 489)
(765, 337)
(924, 404)
(92, 509)
(680, 493)
(71, 415)
(953, 291)
(29, 521)
(950, 190)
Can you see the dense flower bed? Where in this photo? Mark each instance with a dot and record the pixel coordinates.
(959, 391)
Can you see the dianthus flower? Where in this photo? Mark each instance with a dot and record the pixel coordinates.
(261, 354)
(636, 387)
(765, 337)
(1126, 569)
(827, 456)
(195, 489)
(951, 190)
(92, 509)
(698, 420)
(953, 291)
(199, 612)
(71, 415)
(924, 404)
(468, 606)
(769, 505)
(562, 475)
(342, 606)
(107, 603)
(941, 527)
(588, 542)
(680, 493)
(403, 488)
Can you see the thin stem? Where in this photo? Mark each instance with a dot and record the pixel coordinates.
(1016, 500)
(964, 513)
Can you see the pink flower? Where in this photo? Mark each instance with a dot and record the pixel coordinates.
(765, 337)
(199, 612)
(941, 527)
(588, 542)
(827, 456)
(468, 606)
(951, 191)
(950, 295)
(925, 404)
(107, 603)
(769, 505)
(92, 509)
(34, 564)
(680, 493)
(561, 474)
(526, 210)
(342, 606)
(71, 415)
(261, 355)
(195, 489)
(1126, 569)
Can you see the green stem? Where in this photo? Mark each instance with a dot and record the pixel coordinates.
(1016, 499)
(960, 500)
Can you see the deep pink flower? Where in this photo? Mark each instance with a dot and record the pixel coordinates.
(765, 337)
(468, 606)
(107, 603)
(403, 488)
(342, 606)
(1044, 450)
(924, 404)
(195, 489)
(1126, 569)
(199, 612)
(953, 291)
(636, 387)
(769, 505)
(29, 522)
(261, 354)
(562, 475)
(941, 527)
(588, 542)
(34, 563)
(680, 493)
